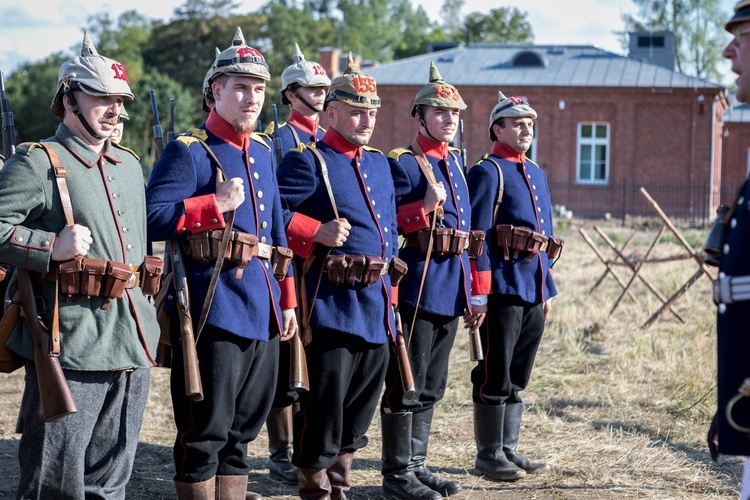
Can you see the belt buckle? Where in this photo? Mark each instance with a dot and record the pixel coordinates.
(264, 251)
(384, 270)
(131, 281)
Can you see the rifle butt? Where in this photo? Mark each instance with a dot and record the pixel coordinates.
(298, 379)
(404, 367)
(476, 353)
(54, 391)
(193, 384)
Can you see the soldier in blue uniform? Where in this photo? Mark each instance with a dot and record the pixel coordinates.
(510, 201)
(343, 224)
(431, 195)
(730, 430)
(303, 88)
(238, 349)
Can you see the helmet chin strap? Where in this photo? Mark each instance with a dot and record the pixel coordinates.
(296, 94)
(74, 104)
(424, 125)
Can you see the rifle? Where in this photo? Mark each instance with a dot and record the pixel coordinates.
(170, 127)
(8, 125)
(158, 132)
(54, 391)
(298, 378)
(193, 385)
(402, 357)
(463, 145)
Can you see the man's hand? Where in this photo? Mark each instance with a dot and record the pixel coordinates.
(547, 309)
(289, 318)
(229, 194)
(474, 320)
(73, 241)
(333, 233)
(434, 197)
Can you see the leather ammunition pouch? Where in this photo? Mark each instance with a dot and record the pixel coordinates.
(204, 247)
(397, 270)
(3, 272)
(105, 278)
(476, 243)
(354, 270)
(445, 241)
(522, 239)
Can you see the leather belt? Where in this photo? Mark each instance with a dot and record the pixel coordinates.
(133, 282)
(731, 289)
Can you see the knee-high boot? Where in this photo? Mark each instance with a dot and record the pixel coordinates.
(398, 480)
(314, 484)
(279, 426)
(420, 436)
(203, 490)
(233, 488)
(338, 476)
(488, 434)
(511, 431)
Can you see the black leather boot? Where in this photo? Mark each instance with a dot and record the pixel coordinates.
(511, 430)
(420, 436)
(398, 480)
(488, 434)
(279, 426)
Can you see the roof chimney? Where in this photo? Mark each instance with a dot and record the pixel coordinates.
(655, 47)
(328, 57)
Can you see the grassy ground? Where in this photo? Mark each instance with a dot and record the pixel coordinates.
(618, 411)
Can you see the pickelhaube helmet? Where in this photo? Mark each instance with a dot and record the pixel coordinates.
(304, 73)
(510, 107)
(207, 92)
(240, 60)
(92, 73)
(124, 116)
(438, 93)
(354, 87)
(741, 13)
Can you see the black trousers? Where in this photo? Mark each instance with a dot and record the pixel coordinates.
(511, 334)
(284, 396)
(346, 377)
(429, 347)
(239, 378)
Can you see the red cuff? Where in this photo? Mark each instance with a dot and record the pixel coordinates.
(288, 294)
(412, 217)
(394, 296)
(481, 281)
(201, 214)
(300, 233)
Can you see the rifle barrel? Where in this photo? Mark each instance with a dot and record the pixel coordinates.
(158, 132)
(9, 139)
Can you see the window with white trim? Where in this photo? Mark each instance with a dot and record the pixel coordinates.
(593, 153)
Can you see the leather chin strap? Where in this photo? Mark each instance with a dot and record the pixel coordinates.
(424, 125)
(69, 92)
(296, 94)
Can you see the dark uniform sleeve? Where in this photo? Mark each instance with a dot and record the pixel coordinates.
(297, 183)
(483, 194)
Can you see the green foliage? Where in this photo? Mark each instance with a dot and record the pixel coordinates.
(502, 25)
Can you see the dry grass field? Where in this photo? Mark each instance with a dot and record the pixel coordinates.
(617, 411)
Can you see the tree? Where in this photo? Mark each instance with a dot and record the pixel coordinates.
(698, 27)
(503, 25)
(452, 15)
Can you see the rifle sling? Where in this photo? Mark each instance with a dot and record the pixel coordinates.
(500, 190)
(225, 238)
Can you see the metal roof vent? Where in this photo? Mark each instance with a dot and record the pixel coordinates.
(528, 59)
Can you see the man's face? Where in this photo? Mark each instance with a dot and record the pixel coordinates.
(315, 96)
(239, 101)
(353, 123)
(441, 123)
(517, 133)
(738, 51)
(101, 112)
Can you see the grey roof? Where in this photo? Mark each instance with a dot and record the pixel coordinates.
(736, 111)
(562, 66)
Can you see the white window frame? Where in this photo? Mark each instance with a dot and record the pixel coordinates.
(593, 142)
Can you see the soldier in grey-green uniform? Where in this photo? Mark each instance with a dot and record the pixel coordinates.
(106, 342)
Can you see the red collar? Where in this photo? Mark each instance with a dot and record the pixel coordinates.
(432, 148)
(507, 153)
(341, 145)
(304, 123)
(224, 131)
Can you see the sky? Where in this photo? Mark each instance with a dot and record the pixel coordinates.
(29, 31)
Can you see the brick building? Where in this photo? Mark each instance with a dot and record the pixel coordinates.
(607, 124)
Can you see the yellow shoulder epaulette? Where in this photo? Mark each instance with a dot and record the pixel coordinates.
(270, 128)
(25, 147)
(302, 147)
(262, 139)
(395, 153)
(192, 135)
(451, 148)
(486, 155)
(372, 150)
(119, 146)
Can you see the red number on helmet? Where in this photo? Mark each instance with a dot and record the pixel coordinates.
(319, 70)
(119, 71)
